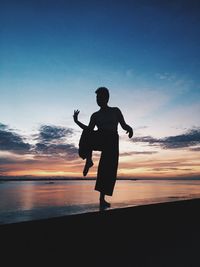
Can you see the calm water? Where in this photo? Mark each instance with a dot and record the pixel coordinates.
(30, 200)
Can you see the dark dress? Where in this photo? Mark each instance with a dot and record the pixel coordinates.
(108, 143)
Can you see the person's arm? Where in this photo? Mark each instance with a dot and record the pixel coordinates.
(91, 124)
(124, 125)
(80, 124)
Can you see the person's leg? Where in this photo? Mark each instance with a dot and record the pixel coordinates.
(86, 144)
(88, 164)
(94, 142)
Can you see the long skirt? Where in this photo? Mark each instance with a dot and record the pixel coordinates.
(108, 144)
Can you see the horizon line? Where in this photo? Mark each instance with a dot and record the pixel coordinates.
(78, 178)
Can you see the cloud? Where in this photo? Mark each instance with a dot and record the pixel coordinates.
(51, 133)
(190, 138)
(165, 76)
(6, 161)
(12, 159)
(3, 170)
(137, 105)
(11, 141)
(171, 169)
(146, 139)
(195, 149)
(58, 150)
(127, 154)
(52, 141)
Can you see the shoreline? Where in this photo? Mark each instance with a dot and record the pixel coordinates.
(163, 234)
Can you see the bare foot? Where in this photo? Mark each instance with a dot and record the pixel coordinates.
(88, 164)
(104, 204)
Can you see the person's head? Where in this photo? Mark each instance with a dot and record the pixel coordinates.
(102, 96)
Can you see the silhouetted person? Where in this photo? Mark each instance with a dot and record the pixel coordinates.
(106, 140)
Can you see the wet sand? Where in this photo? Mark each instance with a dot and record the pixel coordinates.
(166, 234)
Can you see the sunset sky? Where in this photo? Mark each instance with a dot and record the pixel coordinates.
(54, 54)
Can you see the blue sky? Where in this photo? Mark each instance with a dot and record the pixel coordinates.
(54, 54)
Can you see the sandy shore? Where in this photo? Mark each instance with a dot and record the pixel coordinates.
(166, 234)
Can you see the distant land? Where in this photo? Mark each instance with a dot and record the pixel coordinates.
(53, 178)
(64, 178)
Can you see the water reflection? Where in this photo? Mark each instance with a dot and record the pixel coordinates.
(21, 201)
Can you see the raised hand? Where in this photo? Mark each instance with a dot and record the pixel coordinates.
(75, 116)
(130, 132)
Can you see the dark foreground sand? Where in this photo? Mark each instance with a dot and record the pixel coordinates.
(154, 235)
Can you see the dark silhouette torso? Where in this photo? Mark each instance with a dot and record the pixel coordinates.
(106, 119)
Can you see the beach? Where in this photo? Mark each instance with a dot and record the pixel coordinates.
(165, 234)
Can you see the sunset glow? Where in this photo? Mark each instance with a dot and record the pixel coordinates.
(54, 56)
